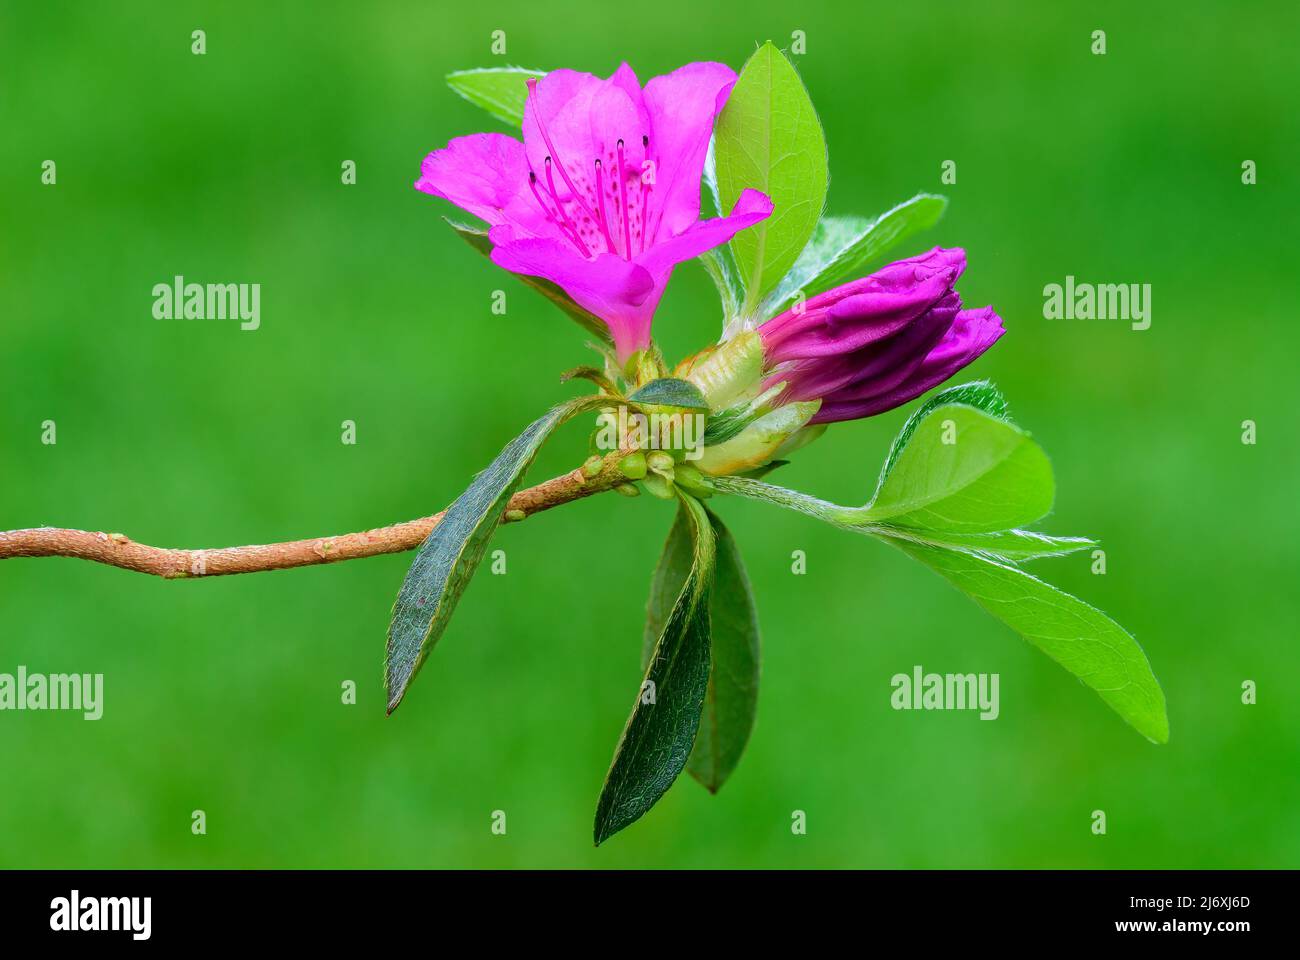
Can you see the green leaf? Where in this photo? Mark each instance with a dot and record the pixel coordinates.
(719, 262)
(449, 556)
(768, 138)
(501, 91)
(1080, 638)
(966, 472)
(478, 239)
(732, 700)
(661, 730)
(1014, 546)
(670, 392)
(981, 394)
(842, 246)
(990, 479)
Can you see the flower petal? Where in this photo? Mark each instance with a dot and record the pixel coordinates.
(616, 290)
(850, 316)
(703, 235)
(485, 174)
(876, 368)
(972, 333)
(575, 119)
(682, 106)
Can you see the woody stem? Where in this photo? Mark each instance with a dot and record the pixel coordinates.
(118, 550)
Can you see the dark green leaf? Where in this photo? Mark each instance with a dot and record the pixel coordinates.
(768, 138)
(842, 247)
(1080, 638)
(478, 239)
(670, 392)
(661, 730)
(501, 91)
(732, 700)
(449, 556)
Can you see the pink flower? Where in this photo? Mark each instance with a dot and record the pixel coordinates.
(602, 197)
(875, 343)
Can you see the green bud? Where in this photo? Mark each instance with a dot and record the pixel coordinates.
(661, 463)
(628, 489)
(592, 466)
(513, 515)
(800, 439)
(633, 465)
(758, 442)
(728, 373)
(692, 481)
(658, 486)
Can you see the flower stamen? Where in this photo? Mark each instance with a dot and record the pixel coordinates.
(627, 214)
(600, 199)
(546, 137)
(645, 190)
(564, 216)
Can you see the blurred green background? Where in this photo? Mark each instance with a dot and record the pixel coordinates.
(224, 695)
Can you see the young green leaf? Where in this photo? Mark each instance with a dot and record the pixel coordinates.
(501, 91)
(1080, 638)
(980, 394)
(661, 730)
(768, 138)
(1012, 546)
(732, 700)
(841, 247)
(991, 477)
(966, 472)
(478, 239)
(449, 556)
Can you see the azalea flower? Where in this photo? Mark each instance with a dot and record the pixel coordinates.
(602, 197)
(875, 343)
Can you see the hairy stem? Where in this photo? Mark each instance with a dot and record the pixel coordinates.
(118, 550)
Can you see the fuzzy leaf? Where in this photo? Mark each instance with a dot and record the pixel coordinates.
(670, 392)
(665, 716)
(732, 700)
(449, 556)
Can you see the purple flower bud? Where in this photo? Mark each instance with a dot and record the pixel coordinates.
(876, 343)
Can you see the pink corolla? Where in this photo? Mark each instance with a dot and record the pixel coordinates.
(602, 197)
(875, 343)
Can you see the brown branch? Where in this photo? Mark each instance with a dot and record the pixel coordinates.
(116, 549)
